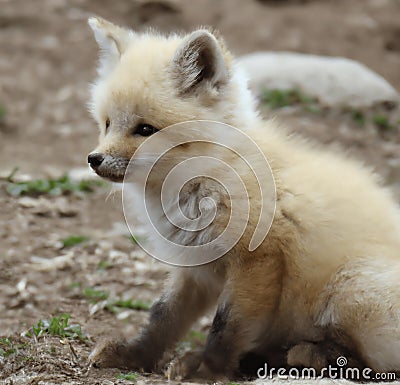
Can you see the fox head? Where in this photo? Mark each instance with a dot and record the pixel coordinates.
(147, 82)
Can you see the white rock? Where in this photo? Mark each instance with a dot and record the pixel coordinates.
(124, 314)
(28, 202)
(49, 264)
(335, 81)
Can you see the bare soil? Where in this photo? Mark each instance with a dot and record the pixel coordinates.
(47, 61)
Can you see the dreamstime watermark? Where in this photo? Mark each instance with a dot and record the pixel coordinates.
(195, 188)
(340, 370)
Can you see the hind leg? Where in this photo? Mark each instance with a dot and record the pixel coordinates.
(363, 303)
(320, 355)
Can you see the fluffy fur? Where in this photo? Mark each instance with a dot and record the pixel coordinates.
(327, 274)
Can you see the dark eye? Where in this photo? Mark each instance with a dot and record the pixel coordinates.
(145, 129)
(107, 124)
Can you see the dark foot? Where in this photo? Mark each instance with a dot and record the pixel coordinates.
(117, 353)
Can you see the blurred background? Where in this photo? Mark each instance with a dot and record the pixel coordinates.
(49, 55)
(63, 244)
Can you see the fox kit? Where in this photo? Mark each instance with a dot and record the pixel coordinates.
(324, 281)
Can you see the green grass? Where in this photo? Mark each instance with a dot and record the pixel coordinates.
(103, 265)
(54, 187)
(381, 122)
(95, 295)
(9, 348)
(196, 335)
(73, 240)
(136, 239)
(5, 341)
(57, 326)
(114, 306)
(129, 376)
(358, 117)
(275, 99)
(117, 305)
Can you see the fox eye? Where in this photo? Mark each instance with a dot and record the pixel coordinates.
(145, 129)
(108, 122)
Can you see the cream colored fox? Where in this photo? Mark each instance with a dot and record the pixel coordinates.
(326, 279)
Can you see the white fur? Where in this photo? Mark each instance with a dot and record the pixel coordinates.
(335, 240)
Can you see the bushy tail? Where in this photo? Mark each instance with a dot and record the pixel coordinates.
(363, 302)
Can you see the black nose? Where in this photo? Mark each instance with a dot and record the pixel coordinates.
(95, 160)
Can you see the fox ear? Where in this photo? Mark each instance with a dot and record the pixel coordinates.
(112, 41)
(199, 62)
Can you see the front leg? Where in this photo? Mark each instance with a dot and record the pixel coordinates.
(247, 306)
(170, 318)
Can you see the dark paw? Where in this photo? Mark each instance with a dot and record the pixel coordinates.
(308, 355)
(117, 353)
(111, 354)
(185, 366)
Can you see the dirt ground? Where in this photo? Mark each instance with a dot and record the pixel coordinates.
(47, 61)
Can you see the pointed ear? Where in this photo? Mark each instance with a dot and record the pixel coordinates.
(112, 41)
(199, 63)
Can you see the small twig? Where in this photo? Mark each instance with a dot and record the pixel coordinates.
(10, 177)
(75, 358)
